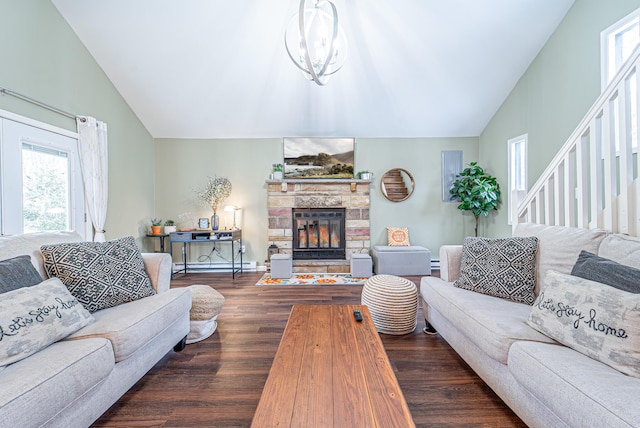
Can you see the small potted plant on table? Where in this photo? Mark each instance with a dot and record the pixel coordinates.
(156, 226)
(169, 226)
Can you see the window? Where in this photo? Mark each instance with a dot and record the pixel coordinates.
(41, 180)
(616, 45)
(517, 171)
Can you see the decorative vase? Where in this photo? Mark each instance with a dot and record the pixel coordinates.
(155, 230)
(215, 221)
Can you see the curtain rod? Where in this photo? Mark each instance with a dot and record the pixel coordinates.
(23, 97)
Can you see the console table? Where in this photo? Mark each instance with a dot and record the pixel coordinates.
(233, 237)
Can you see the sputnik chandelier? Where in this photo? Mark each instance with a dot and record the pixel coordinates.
(315, 42)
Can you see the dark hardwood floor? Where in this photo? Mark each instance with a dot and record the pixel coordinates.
(218, 382)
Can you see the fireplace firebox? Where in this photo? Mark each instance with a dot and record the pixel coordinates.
(319, 233)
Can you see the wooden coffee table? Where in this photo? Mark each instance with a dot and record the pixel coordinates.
(331, 371)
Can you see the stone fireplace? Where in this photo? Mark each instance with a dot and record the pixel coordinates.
(321, 222)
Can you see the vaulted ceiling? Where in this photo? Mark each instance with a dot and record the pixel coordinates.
(219, 69)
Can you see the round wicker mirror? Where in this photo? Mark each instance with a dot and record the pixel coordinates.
(397, 184)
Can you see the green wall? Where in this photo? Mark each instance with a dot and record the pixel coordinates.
(183, 165)
(43, 58)
(552, 96)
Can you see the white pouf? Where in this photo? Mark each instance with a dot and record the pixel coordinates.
(281, 266)
(206, 304)
(392, 302)
(361, 265)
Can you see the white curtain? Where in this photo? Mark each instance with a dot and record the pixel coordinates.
(92, 142)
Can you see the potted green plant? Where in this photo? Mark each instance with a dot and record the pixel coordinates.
(365, 175)
(156, 226)
(169, 226)
(278, 171)
(213, 193)
(476, 191)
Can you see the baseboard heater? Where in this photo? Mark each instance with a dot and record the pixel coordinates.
(214, 267)
(435, 264)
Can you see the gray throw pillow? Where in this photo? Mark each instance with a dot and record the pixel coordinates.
(16, 273)
(502, 267)
(598, 269)
(99, 274)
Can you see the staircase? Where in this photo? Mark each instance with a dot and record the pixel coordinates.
(592, 182)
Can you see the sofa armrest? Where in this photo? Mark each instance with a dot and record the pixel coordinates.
(450, 256)
(158, 267)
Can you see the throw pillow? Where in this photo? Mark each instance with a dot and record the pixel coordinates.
(595, 319)
(18, 272)
(598, 269)
(32, 318)
(398, 236)
(99, 274)
(502, 267)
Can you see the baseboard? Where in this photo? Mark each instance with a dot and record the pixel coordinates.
(435, 264)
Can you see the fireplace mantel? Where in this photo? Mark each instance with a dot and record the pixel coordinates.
(351, 194)
(318, 180)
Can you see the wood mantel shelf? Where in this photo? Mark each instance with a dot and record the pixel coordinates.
(319, 181)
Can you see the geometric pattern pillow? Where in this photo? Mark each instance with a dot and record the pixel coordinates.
(595, 319)
(502, 267)
(398, 236)
(99, 274)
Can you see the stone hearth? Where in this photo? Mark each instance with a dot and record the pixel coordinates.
(353, 195)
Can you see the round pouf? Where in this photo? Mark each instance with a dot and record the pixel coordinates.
(206, 304)
(392, 302)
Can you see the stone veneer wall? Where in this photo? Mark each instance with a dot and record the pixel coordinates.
(353, 195)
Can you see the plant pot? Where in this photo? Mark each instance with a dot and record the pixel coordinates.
(366, 176)
(277, 175)
(156, 230)
(169, 229)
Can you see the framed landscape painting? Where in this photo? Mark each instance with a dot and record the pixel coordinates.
(318, 157)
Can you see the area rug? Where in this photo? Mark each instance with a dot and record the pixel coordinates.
(312, 279)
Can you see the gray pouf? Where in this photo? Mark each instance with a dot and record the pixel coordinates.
(361, 265)
(392, 302)
(281, 266)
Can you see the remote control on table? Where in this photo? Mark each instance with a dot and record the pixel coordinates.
(357, 314)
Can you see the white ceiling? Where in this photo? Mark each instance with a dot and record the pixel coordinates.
(219, 69)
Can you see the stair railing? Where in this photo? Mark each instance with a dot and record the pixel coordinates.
(592, 182)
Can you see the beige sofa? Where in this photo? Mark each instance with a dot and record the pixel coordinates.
(546, 384)
(72, 382)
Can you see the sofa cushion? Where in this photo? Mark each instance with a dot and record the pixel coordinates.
(502, 267)
(598, 269)
(31, 318)
(581, 391)
(559, 246)
(35, 389)
(30, 243)
(492, 324)
(100, 274)
(131, 325)
(622, 249)
(595, 319)
(18, 272)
